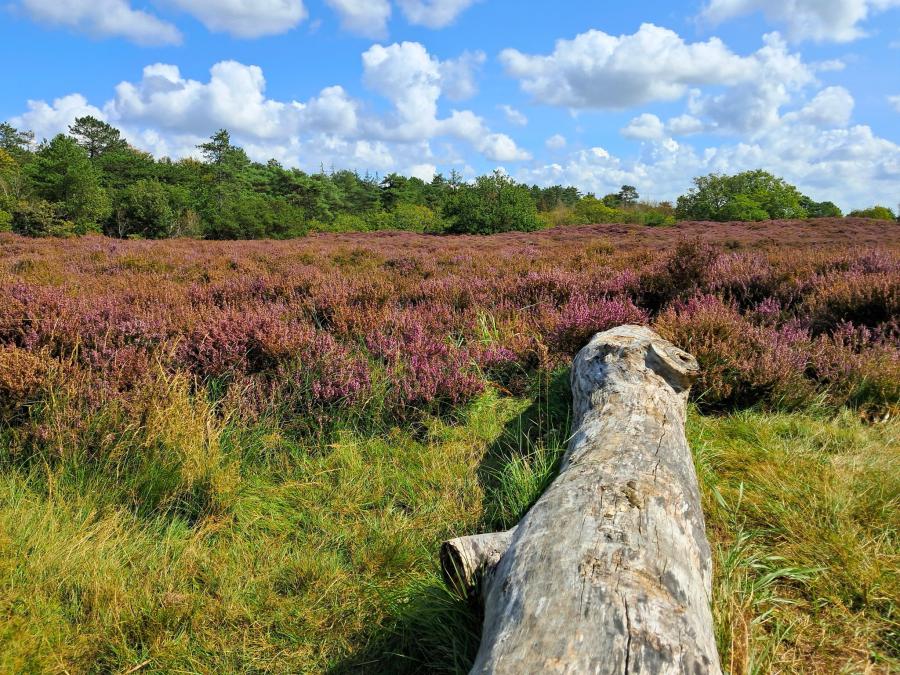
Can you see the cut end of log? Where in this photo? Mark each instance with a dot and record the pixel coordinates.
(467, 562)
(457, 574)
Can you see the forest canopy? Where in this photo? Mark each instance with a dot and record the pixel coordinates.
(92, 181)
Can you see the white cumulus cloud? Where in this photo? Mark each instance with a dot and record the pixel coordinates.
(831, 107)
(167, 113)
(644, 127)
(556, 142)
(433, 13)
(755, 104)
(48, 119)
(103, 18)
(818, 151)
(459, 75)
(597, 70)
(513, 115)
(245, 18)
(368, 18)
(234, 98)
(818, 20)
(414, 80)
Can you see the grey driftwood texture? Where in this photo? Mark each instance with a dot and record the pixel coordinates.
(610, 571)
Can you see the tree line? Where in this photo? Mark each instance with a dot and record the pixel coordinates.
(92, 181)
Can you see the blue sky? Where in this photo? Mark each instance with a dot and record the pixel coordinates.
(589, 93)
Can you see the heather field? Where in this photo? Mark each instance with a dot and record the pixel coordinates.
(243, 456)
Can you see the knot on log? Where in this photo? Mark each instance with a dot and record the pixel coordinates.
(610, 571)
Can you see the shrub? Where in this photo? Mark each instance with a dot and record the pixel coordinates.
(144, 210)
(740, 364)
(876, 212)
(415, 218)
(347, 222)
(40, 218)
(653, 218)
(22, 377)
(590, 210)
(820, 209)
(751, 195)
(742, 207)
(583, 316)
(379, 220)
(493, 204)
(686, 271)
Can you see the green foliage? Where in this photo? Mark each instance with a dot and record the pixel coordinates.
(96, 137)
(493, 204)
(15, 141)
(416, 218)
(656, 218)
(10, 181)
(555, 196)
(751, 195)
(591, 210)
(820, 209)
(397, 189)
(121, 167)
(628, 195)
(145, 210)
(243, 214)
(62, 174)
(40, 218)
(93, 180)
(742, 207)
(347, 222)
(876, 212)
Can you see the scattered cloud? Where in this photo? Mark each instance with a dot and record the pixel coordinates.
(556, 142)
(644, 127)
(368, 18)
(413, 81)
(103, 19)
(894, 101)
(831, 107)
(240, 18)
(685, 125)
(168, 114)
(459, 75)
(423, 171)
(48, 119)
(754, 105)
(596, 70)
(245, 18)
(814, 147)
(513, 115)
(817, 20)
(433, 13)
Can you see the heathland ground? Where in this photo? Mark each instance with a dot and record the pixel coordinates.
(242, 457)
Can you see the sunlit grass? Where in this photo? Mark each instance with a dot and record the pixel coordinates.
(802, 511)
(304, 556)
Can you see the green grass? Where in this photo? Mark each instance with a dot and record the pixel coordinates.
(804, 515)
(199, 546)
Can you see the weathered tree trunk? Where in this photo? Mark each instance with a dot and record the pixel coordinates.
(610, 571)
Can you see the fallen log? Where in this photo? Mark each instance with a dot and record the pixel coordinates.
(610, 571)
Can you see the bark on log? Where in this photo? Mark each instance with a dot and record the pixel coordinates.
(610, 571)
